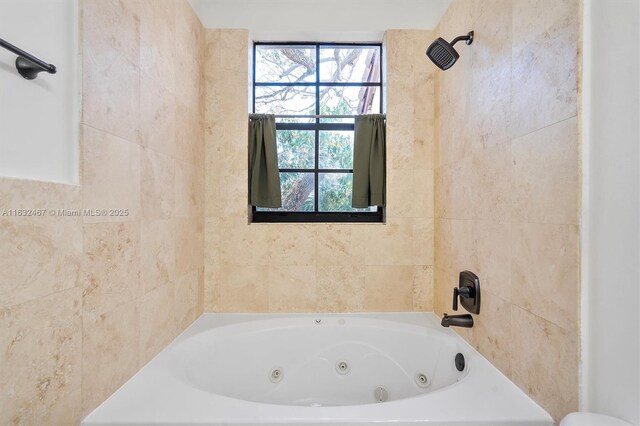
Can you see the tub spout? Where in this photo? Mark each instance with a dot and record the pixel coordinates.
(465, 320)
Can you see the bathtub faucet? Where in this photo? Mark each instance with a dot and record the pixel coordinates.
(465, 320)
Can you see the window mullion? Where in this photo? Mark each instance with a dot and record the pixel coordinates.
(317, 133)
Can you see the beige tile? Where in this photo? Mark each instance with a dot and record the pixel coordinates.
(243, 244)
(157, 45)
(292, 245)
(187, 181)
(545, 62)
(189, 42)
(189, 134)
(454, 190)
(546, 175)
(388, 288)
(109, 340)
(423, 288)
(340, 244)
(544, 362)
(186, 299)
(189, 246)
(111, 176)
(491, 77)
(111, 263)
(211, 293)
(233, 193)
(156, 321)
(112, 24)
(38, 256)
(341, 288)
(292, 289)
(492, 331)
(111, 92)
(492, 183)
(410, 193)
(400, 241)
(157, 255)
(242, 289)
(157, 117)
(156, 183)
(492, 253)
(40, 363)
(544, 271)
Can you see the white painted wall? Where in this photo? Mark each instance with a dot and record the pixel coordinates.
(40, 119)
(611, 197)
(320, 20)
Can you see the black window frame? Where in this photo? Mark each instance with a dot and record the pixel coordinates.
(316, 216)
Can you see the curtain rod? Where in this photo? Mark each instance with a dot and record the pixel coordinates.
(28, 65)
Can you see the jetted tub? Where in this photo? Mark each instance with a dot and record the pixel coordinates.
(401, 369)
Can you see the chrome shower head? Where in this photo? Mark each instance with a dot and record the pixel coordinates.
(442, 53)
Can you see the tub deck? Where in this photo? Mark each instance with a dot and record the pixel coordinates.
(158, 396)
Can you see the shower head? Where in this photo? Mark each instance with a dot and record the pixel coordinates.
(442, 53)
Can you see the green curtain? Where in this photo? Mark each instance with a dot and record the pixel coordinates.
(369, 159)
(264, 177)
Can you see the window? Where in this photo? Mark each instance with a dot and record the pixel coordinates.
(307, 85)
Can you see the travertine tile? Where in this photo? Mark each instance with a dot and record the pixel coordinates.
(157, 44)
(544, 271)
(157, 254)
(186, 297)
(189, 134)
(112, 24)
(244, 244)
(242, 289)
(422, 289)
(492, 331)
(189, 44)
(292, 289)
(491, 77)
(189, 246)
(340, 244)
(546, 175)
(111, 92)
(110, 340)
(454, 190)
(111, 176)
(38, 256)
(492, 245)
(544, 362)
(292, 245)
(545, 62)
(111, 266)
(157, 323)
(492, 183)
(157, 117)
(40, 360)
(157, 198)
(187, 200)
(388, 288)
(341, 288)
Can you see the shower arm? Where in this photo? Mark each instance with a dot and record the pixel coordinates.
(467, 38)
(28, 65)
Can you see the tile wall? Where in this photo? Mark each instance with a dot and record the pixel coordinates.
(319, 267)
(83, 293)
(508, 184)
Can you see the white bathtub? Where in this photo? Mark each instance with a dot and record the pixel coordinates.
(318, 369)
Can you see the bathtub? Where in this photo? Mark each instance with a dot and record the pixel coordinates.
(400, 369)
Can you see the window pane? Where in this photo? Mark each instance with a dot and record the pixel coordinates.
(335, 193)
(336, 150)
(297, 191)
(285, 100)
(350, 64)
(296, 149)
(289, 64)
(340, 100)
